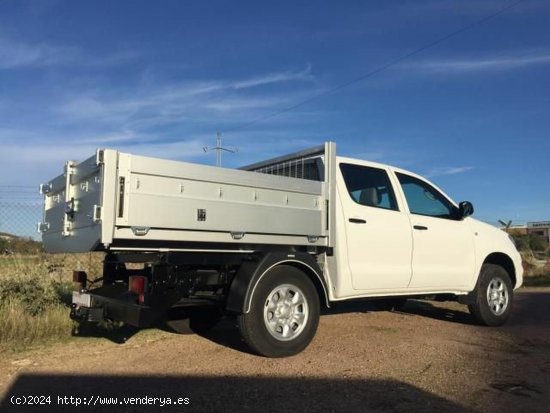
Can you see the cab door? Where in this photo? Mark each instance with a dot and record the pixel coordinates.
(443, 244)
(378, 233)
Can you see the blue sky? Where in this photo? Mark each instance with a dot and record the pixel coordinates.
(161, 78)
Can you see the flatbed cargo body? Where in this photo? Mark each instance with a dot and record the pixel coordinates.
(120, 201)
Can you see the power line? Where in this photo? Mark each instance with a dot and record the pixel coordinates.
(380, 68)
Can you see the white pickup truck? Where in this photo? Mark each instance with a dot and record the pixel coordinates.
(271, 242)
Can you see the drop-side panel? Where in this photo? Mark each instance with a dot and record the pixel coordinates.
(72, 208)
(169, 195)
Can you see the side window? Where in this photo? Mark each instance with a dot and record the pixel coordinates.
(369, 186)
(423, 199)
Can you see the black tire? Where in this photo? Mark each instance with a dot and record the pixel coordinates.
(260, 327)
(489, 309)
(390, 304)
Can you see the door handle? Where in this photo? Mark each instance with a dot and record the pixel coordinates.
(357, 221)
(420, 227)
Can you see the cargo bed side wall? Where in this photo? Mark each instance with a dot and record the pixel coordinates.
(168, 195)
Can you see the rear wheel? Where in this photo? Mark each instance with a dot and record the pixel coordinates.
(493, 296)
(284, 313)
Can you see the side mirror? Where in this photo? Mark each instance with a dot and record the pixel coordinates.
(465, 209)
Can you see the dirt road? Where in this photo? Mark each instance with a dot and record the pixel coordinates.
(428, 357)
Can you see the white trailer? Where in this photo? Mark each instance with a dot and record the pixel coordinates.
(271, 242)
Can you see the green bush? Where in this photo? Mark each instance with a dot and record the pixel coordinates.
(33, 306)
(4, 246)
(34, 293)
(522, 242)
(19, 245)
(20, 330)
(64, 292)
(537, 243)
(531, 242)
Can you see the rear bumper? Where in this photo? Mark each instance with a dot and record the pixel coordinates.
(102, 307)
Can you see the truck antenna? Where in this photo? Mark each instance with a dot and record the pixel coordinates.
(219, 148)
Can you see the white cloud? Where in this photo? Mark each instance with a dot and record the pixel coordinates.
(111, 138)
(191, 101)
(480, 64)
(447, 170)
(150, 119)
(111, 59)
(83, 106)
(44, 161)
(304, 75)
(240, 103)
(185, 150)
(16, 54)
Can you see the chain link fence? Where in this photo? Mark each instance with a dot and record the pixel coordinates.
(21, 246)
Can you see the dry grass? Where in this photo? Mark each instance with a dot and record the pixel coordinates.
(35, 293)
(19, 329)
(33, 302)
(59, 266)
(537, 271)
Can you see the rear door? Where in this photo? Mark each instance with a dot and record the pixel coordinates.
(443, 244)
(378, 233)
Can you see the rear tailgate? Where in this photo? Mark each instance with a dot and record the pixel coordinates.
(79, 204)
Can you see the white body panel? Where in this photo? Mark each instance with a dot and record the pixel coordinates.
(442, 260)
(444, 254)
(379, 242)
(489, 240)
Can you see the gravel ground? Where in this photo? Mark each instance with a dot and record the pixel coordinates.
(428, 357)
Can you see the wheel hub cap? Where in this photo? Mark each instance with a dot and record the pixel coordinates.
(285, 312)
(497, 296)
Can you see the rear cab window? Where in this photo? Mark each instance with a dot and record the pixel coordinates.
(369, 186)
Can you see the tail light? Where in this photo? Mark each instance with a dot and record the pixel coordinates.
(138, 284)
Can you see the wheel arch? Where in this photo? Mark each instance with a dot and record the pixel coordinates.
(250, 273)
(504, 261)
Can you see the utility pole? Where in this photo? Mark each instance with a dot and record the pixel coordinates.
(219, 148)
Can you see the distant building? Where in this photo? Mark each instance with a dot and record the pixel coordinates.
(541, 228)
(515, 230)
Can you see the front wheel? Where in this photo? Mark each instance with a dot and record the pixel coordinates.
(493, 296)
(284, 313)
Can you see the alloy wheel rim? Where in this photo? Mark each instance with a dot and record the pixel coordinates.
(286, 312)
(497, 296)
